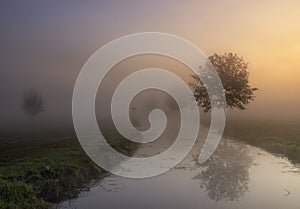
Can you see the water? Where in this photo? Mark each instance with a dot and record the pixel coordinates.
(236, 176)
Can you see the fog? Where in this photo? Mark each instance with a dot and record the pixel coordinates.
(45, 45)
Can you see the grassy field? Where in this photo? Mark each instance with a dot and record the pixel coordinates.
(278, 137)
(39, 170)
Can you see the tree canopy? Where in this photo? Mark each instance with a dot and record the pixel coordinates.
(32, 103)
(233, 72)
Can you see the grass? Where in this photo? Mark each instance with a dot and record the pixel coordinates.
(17, 194)
(277, 137)
(38, 171)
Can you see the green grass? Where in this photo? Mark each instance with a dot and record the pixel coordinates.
(17, 194)
(37, 171)
(278, 137)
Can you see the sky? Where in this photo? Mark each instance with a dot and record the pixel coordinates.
(43, 45)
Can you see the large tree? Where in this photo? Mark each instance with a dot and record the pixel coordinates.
(233, 72)
(32, 103)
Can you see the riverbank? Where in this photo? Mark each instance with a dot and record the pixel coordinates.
(39, 171)
(277, 137)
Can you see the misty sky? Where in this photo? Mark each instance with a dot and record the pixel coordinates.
(45, 44)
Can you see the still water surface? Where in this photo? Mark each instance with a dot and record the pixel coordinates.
(237, 176)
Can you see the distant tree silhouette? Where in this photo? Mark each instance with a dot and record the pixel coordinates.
(32, 103)
(233, 73)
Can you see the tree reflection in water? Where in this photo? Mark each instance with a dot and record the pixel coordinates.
(225, 174)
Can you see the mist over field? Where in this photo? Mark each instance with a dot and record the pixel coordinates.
(44, 46)
(244, 156)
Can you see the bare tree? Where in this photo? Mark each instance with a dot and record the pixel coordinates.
(32, 103)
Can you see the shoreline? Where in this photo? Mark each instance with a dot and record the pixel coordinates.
(43, 170)
(41, 175)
